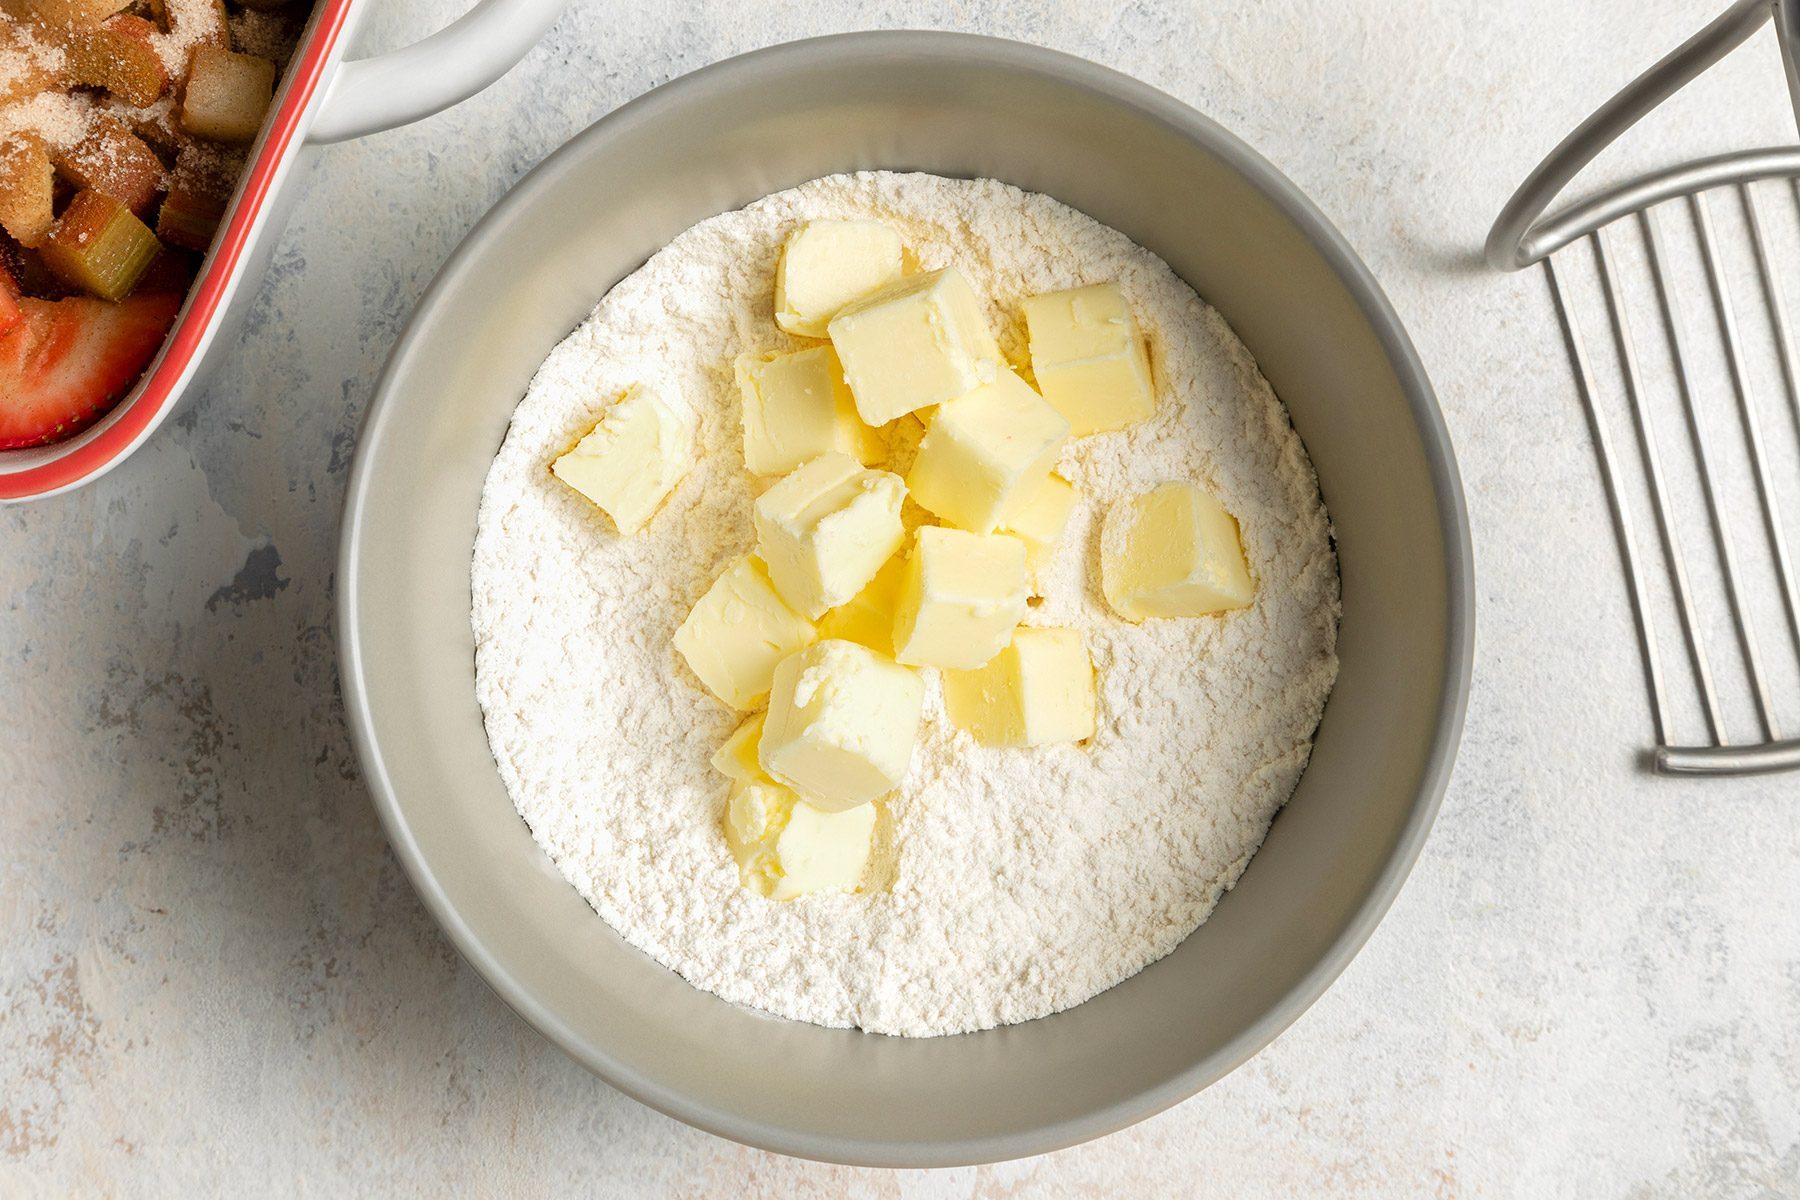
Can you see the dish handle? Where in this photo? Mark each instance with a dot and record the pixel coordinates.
(372, 94)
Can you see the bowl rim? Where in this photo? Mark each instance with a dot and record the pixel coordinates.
(1452, 517)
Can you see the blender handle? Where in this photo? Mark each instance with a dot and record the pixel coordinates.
(1787, 24)
(371, 94)
(1524, 234)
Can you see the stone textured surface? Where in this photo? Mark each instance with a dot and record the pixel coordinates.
(215, 977)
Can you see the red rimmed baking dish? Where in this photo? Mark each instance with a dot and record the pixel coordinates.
(322, 99)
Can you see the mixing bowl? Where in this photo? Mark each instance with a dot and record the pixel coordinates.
(1229, 224)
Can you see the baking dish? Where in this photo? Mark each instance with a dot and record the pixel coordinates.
(1226, 221)
(322, 99)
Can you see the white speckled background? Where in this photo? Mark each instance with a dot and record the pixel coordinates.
(215, 978)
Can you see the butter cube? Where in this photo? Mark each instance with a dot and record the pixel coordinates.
(1038, 690)
(827, 264)
(986, 454)
(960, 598)
(868, 617)
(631, 459)
(736, 759)
(918, 341)
(1173, 552)
(797, 407)
(826, 529)
(1040, 522)
(738, 631)
(842, 723)
(1089, 358)
(787, 848)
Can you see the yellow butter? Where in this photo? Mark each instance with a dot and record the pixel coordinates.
(827, 264)
(737, 633)
(1173, 552)
(825, 530)
(1089, 358)
(1038, 690)
(736, 759)
(986, 454)
(787, 848)
(1040, 522)
(960, 597)
(797, 407)
(868, 618)
(631, 459)
(919, 341)
(842, 723)
(899, 441)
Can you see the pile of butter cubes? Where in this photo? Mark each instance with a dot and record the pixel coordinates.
(821, 631)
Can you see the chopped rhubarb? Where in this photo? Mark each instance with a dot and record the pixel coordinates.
(226, 95)
(24, 65)
(99, 246)
(66, 363)
(189, 219)
(198, 22)
(118, 55)
(199, 189)
(74, 12)
(27, 190)
(158, 128)
(115, 161)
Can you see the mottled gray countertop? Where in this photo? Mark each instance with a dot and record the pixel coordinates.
(215, 976)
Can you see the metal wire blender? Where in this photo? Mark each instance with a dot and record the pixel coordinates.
(1687, 200)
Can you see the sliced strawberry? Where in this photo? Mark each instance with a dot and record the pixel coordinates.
(68, 361)
(10, 312)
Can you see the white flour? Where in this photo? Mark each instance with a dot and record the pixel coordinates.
(1010, 883)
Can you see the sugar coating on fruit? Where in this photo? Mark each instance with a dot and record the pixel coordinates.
(1173, 552)
(1038, 690)
(786, 848)
(827, 264)
(27, 189)
(826, 529)
(919, 341)
(986, 454)
(842, 723)
(113, 160)
(1089, 358)
(738, 632)
(960, 596)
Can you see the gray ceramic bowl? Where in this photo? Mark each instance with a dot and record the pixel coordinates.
(1233, 227)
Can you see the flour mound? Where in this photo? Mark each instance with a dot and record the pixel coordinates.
(1009, 884)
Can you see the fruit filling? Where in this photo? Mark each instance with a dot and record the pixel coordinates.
(124, 125)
